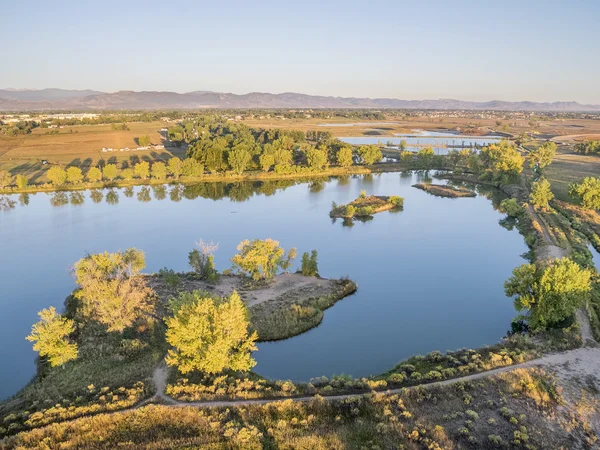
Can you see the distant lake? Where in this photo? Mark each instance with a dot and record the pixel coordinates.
(430, 277)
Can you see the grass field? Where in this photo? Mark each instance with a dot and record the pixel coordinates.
(569, 167)
(79, 145)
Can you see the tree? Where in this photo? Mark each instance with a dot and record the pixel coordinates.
(6, 178)
(543, 155)
(142, 170)
(266, 160)
(261, 259)
(57, 175)
(588, 148)
(541, 193)
(402, 146)
(549, 293)
(110, 172)
(50, 337)
(425, 156)
(309, 266)
(110, 289)
(74, 175)
(144, 141)
(210, 335)
(370, 154)
(127, 174)
(316, 159)
(94, 175)
(202, 261)
(21, 181)
(588, 191)
(192, 168)
(501, 162)
(175, 167)
(344, 156)
(159, 171)
(238, 159)
(407, 157)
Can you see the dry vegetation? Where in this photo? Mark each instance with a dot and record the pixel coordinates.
(442, 190)
(81, 146)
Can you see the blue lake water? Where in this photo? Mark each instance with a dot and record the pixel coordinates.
(430, 277)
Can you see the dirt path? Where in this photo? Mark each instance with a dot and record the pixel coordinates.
(582, 362)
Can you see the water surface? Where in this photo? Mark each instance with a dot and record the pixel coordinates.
(430, 277)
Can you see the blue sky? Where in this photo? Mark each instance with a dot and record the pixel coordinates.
(472, 50)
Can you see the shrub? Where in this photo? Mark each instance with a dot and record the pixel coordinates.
(169, 276)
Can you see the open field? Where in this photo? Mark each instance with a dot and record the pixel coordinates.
(79, 145)
(569, 167)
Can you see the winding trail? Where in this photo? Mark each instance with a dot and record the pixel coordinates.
(583, 361)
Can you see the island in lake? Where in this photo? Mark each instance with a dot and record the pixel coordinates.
(442, 190)
(366, 205)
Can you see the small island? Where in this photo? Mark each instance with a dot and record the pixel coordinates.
(441, 190)
(366, 205)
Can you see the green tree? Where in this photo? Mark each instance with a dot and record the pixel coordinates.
(94, 175)
(261, 259)
(175, 167)
(6, 178)
(202, 261)
(543, 155)
(144, 141)
(266, 160)
(142, 170)
(192, 168)
(57, 175)
(210, 335)
(549, 293)
(21, 181)
(310, 266)
(316, 159)
(344, 156)
(110, 172)
(111, 291)
(159, 171)
(402, 146)
(238, 159)
(74, 175)
(51, 337)
(407, 157)
(541, 193)
(588, 191)
(370, 154)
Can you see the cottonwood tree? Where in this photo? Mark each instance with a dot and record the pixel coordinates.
(588, 191)
(57, 175)
(144, 141)
(344, 156)
(192, 168)
(142, 170)
(94, 175)
(238, 159)
(261, 259)
(310, 266)
(266, 161)
(500, 162)
(21, 181)
(51, 337)
(175, 167)
(159, 171)
(370, 154)
(551, 292)
(74, 175)
(543, 155)
(209, 334)
(6, 178)
(111, 291)
(110, 172)
(541, 193)
(202, 260)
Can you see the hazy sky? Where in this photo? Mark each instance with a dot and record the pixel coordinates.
(472, 50)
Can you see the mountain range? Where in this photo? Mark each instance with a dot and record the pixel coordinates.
(87, 100)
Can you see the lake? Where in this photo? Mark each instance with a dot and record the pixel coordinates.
(430, 277)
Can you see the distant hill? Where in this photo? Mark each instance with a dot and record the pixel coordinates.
(60, 99)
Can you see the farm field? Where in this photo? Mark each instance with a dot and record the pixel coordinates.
(569, 167)
(79, 145)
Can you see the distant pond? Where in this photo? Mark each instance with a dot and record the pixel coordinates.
(430, 277)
